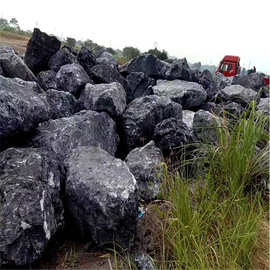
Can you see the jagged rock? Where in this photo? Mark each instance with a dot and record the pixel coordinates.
(72, 78)
(264, 106)
(47, 79)
(205, 126)
(188, 94)
(110, 98)
(208, 83)
(108, 59)
(39, 50)
(233, 110)
(86, 59)
(145, 164)
(60, 58)
(14, 67)
(188, 117)
(142, 115)
(171, 134)
(221, 81)
(139, 85)
(238, 94)
(254, 81)
(101, 197)
(23, 106)
(62, 104)
(179, 69)
(195, 75)
(148, 64)
(1, 71)
(144, 261)
(86, 128)
(102, 73)
(6, 49)
(31, 211)
(212, 107)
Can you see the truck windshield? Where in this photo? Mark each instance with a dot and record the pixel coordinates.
(226, 67)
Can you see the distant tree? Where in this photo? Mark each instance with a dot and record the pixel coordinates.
(94, 47)
(131, 52)
(3, 23)
(111, 50)
(71, 42)
(162, 55)
(14, 23)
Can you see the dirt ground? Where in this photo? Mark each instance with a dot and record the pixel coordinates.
(17, 42)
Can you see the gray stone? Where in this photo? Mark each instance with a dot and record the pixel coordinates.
(238, 94)
(86, 59)
(209, 84)
(86, 128)
(108, 59)
(254, 81)
(23, 106)
(6, 49)
(188, 117)
(179, 69)
(144, 261)
(14, 67)
(205, 126)
(188, 94)
(101, 197)
(264, 106)
(170, 135)
(62, 104)
(141, 117)
(72, 78)
(60, 58)
(233, 110)
(145, 163)
(31, 210)
(221, 81)
(139, 85)
(102, 73)
(47, 79)
(110, 98)
(39, 50)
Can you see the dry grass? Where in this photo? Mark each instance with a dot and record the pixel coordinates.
(16, 41)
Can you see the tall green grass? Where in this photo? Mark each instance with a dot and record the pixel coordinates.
(213, 221)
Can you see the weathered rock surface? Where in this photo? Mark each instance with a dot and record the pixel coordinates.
(60, 58)
(72, 78)
(212, 107)
(23, 106)
(102, 73)
(31, 210)
(148, 64)
(170, 135)
(108, 59)
(264, 106)
(205, 126)
(188, 117)
(139, 85)
(142, 115)
(110, 98)
(188, 94)
(47, 79)
(62, 104)
(86, 128)
(39, 50)
(145, 164)
(179, 69)
(101, 196)
(233, 110)
(14, 67)
(86, 59)
(238, 94)
(144, 261)
(221, 81)
(254, 81)
(208, 83)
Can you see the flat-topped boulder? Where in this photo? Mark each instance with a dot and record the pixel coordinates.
(188, 94)
(101, 196)
(85, 128)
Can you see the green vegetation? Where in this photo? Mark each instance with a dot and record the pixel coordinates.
(219, 220)
(162, 55)
(13, 26)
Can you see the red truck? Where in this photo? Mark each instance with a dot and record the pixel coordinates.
(230, 66)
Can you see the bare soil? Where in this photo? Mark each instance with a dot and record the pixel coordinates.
(16, 41)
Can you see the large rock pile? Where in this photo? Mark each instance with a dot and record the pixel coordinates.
(67, 117)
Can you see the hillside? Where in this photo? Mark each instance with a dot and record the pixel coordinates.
(14, 40)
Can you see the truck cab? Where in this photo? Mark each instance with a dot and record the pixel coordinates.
(229, 66)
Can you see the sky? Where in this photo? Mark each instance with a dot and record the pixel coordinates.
(201, 30)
